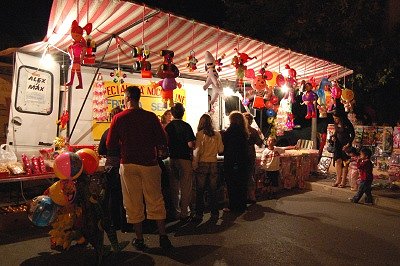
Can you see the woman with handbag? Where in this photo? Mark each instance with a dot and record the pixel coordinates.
(236, 161)
(343, 139)
(208, 145)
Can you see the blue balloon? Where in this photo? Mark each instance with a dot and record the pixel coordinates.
(42, 211)
(270, 113)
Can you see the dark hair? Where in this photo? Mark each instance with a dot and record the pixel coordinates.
(115, 111)
(178, 111)
(367, 152)
(164, 117)
(249, 118)
(205, 124)
(236, 118)
(133, 93)
(352, 150)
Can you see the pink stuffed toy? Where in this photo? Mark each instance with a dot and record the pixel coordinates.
(77, 51)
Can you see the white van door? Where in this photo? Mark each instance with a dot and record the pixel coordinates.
(34, 104)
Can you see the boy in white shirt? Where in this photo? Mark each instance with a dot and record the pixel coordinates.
(271, 163)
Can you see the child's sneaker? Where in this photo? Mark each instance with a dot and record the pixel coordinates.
(165, 243)
(139, 244)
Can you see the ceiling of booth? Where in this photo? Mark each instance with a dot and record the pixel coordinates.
(111, 18)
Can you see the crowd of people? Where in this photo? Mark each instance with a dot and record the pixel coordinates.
(144, 185)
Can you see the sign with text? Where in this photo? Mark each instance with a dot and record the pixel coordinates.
(150, 100)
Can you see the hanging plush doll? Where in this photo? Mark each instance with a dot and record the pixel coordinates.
(324, 96)
(168, 72)
(309, 98)
(336, 93)
(192, 61)
(259, 87)
(212, 78)
(239, 61)
(77, 50)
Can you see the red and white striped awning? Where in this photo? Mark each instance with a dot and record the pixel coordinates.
(124, 20)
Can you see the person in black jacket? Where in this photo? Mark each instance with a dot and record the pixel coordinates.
(236, 161)
(113, 196)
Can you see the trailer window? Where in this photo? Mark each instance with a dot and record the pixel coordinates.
(34, 92)
(233, 103)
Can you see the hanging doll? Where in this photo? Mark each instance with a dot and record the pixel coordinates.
(324, 96)
(168, 72)
(212, 78)
(239, 61)
(192, 61)
(336, 93)
(77, 51)
(259, 87)
(309, 98)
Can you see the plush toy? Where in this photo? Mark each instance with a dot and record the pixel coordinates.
(218, 63)
(192, 61)
(290, 75)
(77, 50)
(336, 93)
(309, 98)
(212, 78)
(267, 75)
(89, 58)
(259, 86)
(63, 121)
(347, 98)
(239, 61)
(141, 64)
(64, 232)
(168, 72)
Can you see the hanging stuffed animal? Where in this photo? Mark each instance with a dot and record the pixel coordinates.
(77, 51)
(192, 61)
(239, 61)
(142, 64)
(118, 76)
(168, 72)
(219, 64)
(290, 75)
(259, 86)
(324, 96)
(336, 93)
(89, 58)
(347, 98)
(63, 121)
(309, 98)
(212, 78)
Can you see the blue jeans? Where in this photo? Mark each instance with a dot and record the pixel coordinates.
(365, 187)
(206, 173)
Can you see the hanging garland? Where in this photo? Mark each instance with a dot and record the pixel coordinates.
(100, 105)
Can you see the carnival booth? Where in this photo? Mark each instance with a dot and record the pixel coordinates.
(65, 86)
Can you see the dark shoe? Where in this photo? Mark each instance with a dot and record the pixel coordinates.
(139, 244)
(251, 202)
(369, 203)
(214, 216)
(165, 243)
(120, 246)
(352, 200)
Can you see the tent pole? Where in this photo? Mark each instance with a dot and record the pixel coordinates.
(130, 26)
(314, 130)
(90, 88)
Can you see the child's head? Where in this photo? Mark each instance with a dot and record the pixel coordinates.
(271, 141)
(365, 153)
(352, 152)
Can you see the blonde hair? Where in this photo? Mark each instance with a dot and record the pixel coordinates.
(205, 124)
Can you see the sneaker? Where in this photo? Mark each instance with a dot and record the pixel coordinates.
(139, 244)
(351, 200)
(368, 203)
(165, 243)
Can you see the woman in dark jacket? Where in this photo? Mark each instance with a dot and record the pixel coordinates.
(343, 139)
(236, 161)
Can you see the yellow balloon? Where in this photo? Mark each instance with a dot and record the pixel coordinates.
(63, 192)
(272, 82)
(347, 95)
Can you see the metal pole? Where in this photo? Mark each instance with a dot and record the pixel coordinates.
(314, 129)
(90, 88)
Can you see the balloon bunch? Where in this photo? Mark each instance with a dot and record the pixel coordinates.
(58, 205)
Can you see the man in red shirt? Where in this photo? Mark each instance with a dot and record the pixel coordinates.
(139, 133)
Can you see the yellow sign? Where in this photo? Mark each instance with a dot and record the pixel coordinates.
(150, 100)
